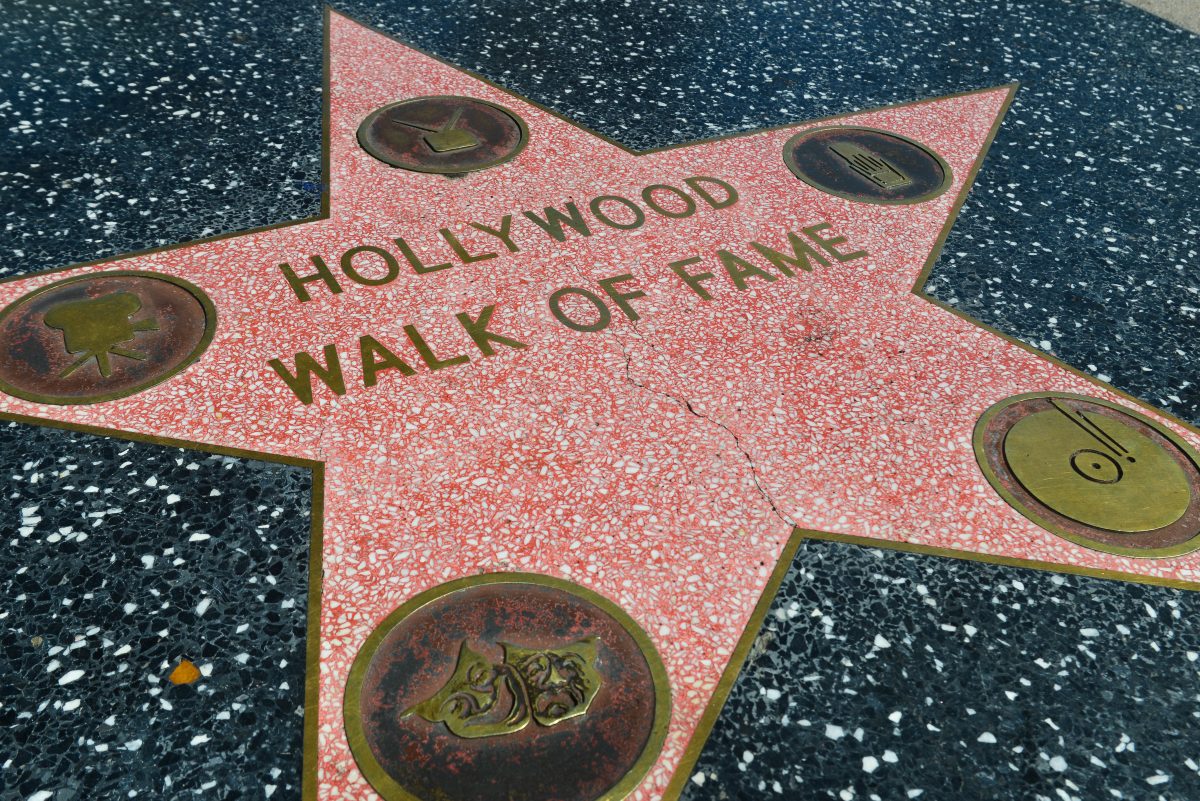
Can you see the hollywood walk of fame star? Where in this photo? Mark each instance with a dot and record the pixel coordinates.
(664, 462)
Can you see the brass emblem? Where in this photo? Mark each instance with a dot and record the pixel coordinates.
(1094, 472)
(504, 681)
(867, 165)
(96, 328)
(102, 336)
(544, 685)
(870, 166)
(448, 137)
(443, 134)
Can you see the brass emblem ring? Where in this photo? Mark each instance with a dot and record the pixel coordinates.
(1093, 472)
(102, 336)
(867, 165)
(443, 134)
(504, 685)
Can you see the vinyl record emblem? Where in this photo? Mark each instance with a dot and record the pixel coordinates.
(1094, 472)
(443, 134)
(102, 336)
(507, 685)
(867, 165)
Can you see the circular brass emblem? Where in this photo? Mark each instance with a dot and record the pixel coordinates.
(443, 134)
(1091, 471)
(507, 685)
(867, 165)
(102, 336)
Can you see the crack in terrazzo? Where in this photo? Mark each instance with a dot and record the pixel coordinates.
(686, 404)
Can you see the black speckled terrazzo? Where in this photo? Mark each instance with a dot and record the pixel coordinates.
(128, 125)
(880, 674)
(120, 559)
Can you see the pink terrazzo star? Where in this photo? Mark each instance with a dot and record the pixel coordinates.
(662, 462)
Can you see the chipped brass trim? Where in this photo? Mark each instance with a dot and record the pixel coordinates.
(941, 189)
(210, 330)
(391, 790)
